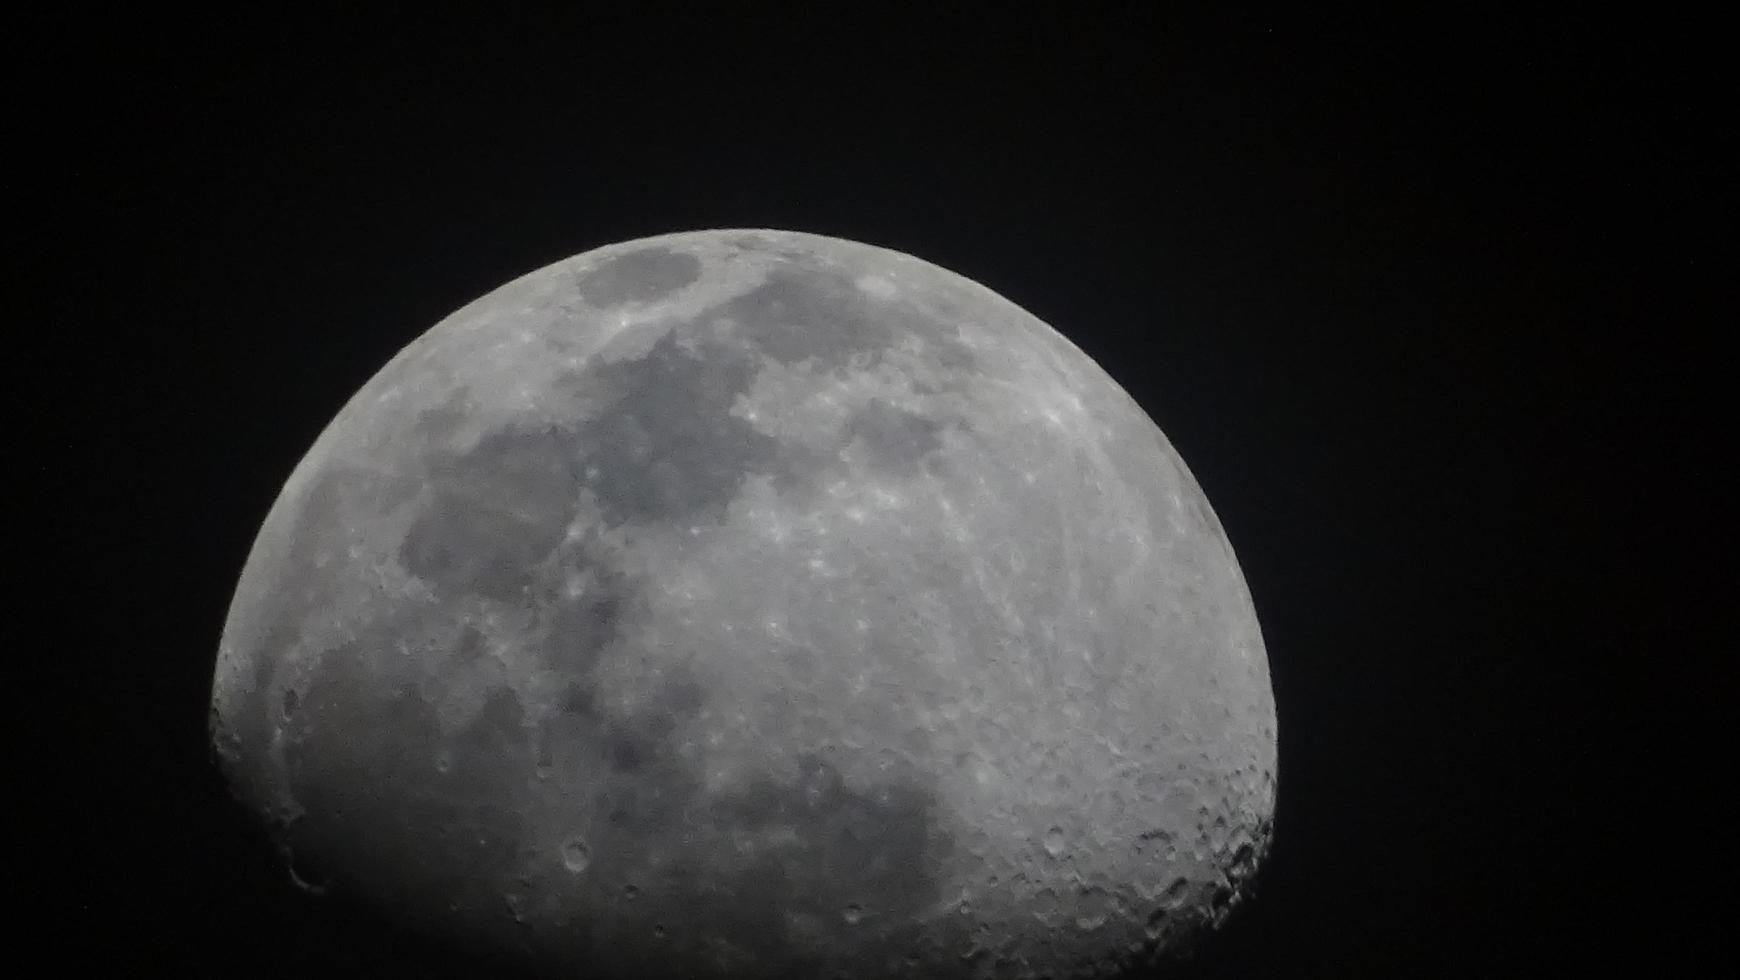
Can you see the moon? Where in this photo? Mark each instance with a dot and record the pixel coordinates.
(754, 603)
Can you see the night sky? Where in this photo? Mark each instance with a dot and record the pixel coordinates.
(1422, 305)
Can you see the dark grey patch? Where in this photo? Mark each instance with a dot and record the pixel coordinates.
(639, 804)
(802, 470)
(530, 472)
(459, 545)
(798, 315)
(636, 743)
(498, 730)
(640, 276)
(896, 439)
(940, 467)
(580, 629)
(682, 695)
(435, 425)
(470, 645)
(666, 448)
(873, 847)
(804, 313)
(628, 748)
(823, 845)
(633, 757)
(660, 443)
(579, 699)
(643, 740)
(497, 510)
(361, 756)
(577, 632)
(952, 355)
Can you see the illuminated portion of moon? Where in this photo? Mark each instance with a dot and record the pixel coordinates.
(754, 603)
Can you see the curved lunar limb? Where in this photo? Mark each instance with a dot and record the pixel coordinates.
(752, 603)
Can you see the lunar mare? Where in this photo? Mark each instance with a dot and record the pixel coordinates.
(754, 603)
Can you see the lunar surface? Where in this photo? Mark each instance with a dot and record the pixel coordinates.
(749, 603)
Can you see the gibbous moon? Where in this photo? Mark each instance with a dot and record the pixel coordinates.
(747, 603)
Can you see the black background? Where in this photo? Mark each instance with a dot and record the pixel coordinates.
(1420, 303)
